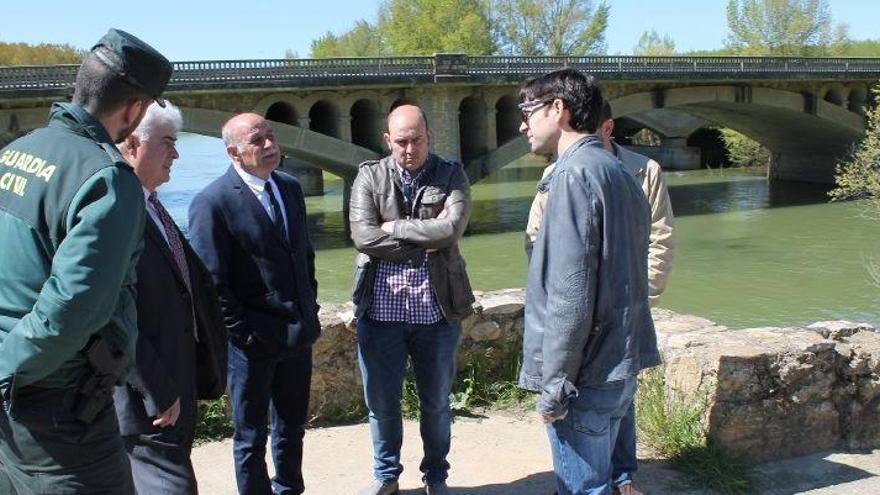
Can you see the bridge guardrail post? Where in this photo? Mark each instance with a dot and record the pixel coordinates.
(450, 67)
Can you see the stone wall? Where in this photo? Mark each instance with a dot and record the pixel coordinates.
(770, 392)
(778, 392)
(491, 340)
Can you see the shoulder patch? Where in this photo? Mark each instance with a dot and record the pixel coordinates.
(368, 163)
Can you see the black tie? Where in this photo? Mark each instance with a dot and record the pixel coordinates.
(278, 217)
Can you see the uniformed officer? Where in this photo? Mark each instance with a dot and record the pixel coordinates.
(71, 226)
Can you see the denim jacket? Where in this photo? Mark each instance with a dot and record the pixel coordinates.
(587, 318)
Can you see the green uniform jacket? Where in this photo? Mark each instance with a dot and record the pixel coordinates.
(71, 231)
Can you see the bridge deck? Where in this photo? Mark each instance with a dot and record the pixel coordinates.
(29, 81)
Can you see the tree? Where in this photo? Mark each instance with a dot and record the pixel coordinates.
(425, 27)
(858, 176)
(784, 28)
(550, 27)
(743, 151)
(651, 44)
(362, 40)
(42, 54)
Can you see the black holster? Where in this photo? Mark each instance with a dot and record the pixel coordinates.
(95, 390)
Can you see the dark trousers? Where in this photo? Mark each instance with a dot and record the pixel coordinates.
(45, 450)
(160, 461)
(280, 385)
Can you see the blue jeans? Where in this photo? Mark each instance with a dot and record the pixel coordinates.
(277, 385)
(383, 348)
(582, 442)
(624, 462)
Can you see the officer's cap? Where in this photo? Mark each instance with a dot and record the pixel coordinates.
(139, 63)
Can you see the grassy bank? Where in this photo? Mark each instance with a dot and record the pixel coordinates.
(671, 425)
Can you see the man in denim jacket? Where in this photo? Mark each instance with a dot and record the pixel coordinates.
(588, 327)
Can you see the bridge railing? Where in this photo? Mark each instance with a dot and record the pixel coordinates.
(285, 69)
(29, 80)
(624, 67)
(37, 76)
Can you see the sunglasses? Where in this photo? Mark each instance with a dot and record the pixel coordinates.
(529, 107)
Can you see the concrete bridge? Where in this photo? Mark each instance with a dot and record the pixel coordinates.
(330, 112)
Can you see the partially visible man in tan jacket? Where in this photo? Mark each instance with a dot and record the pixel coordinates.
(649, 173)
(660, 251)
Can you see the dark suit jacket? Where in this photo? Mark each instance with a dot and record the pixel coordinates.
(169, 363)
(266, 284)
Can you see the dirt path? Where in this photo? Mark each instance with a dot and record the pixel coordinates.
(508, 454)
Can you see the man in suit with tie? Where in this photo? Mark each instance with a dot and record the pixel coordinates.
(180, 351)
(249, 227)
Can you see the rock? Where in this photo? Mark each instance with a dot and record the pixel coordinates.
(485, 331)
(505, 304)
(839, 330)
(348, 319)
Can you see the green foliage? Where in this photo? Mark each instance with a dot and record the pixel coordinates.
(672, 426)
(425, 27)
(784, 28)
(362, 40)
(550, 27)
(651, 44)
(477, 387)
(719, 52)
(862, 48)
(42, 54)
(858, 176)
(474, 27)
(743, 151)
(214, 421)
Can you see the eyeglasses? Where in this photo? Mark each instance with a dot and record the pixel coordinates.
(527, 108)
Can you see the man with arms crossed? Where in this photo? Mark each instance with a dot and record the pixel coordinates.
(181, 346)
(588, 327)
(408, 212)
(71, 228)
(249, 228)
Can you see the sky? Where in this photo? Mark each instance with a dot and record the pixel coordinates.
(217, 30)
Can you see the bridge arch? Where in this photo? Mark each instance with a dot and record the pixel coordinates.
(836, 95)
(805, 141)
(858, 99)
(282, 102)
(805, 138)
(367, 124)
(283, 112)
(324, 118)
(507, 119)
(473, 128)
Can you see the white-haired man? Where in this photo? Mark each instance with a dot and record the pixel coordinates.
(180, 351)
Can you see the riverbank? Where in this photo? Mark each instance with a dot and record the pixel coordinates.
(506, 453)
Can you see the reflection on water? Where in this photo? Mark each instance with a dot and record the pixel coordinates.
(748, 253)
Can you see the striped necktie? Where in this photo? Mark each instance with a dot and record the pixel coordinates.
(176, 245)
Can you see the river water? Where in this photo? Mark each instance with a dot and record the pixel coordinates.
(749, 253)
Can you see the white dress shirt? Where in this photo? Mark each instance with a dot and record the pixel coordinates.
(258, 187)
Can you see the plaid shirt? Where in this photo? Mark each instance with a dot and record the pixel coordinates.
(402, 291)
